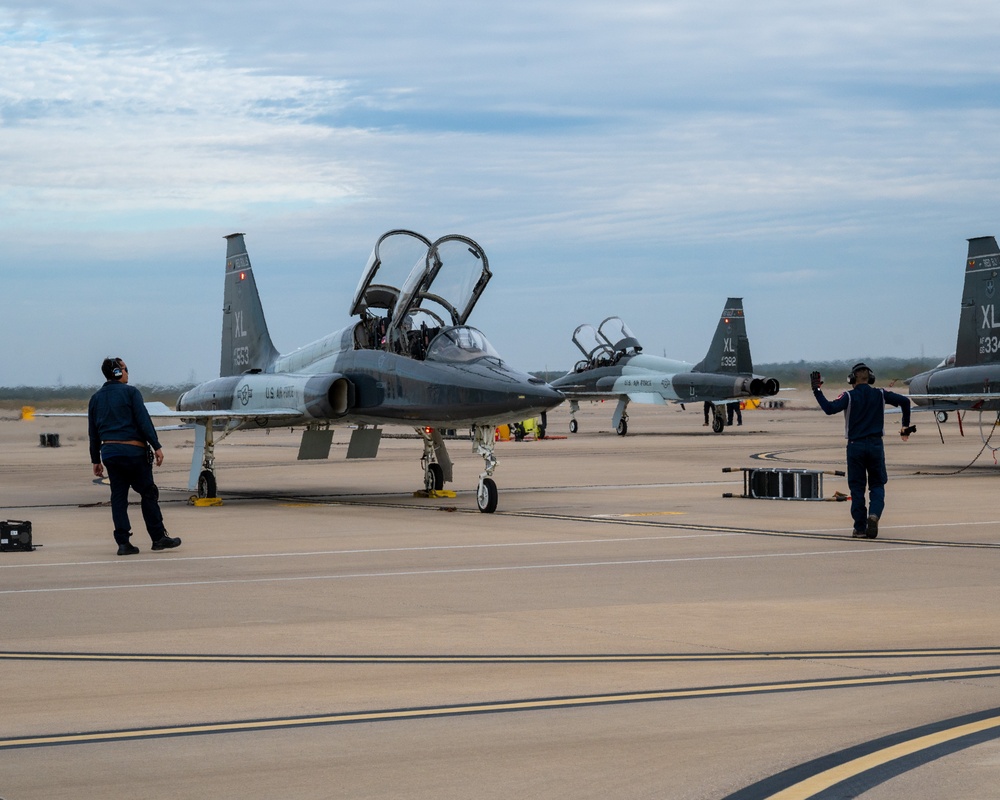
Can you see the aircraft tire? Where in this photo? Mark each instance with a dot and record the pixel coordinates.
(573, 426)
(941, 416)
(718, 425)
(486, 496)
(206, 484)
(622, 427)
(435, 477)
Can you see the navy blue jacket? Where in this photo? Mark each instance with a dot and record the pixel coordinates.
(117, 413)
(864, 410)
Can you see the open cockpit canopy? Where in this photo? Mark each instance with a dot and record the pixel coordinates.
(447, 283)
(616, 333)
(461, 344)
(594, 347)
(403, 309)
(604, 345)
(389, 264)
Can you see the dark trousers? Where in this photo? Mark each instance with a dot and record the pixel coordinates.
(133, 472)
(866, 465)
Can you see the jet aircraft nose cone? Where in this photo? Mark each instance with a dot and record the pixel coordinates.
(542, 396)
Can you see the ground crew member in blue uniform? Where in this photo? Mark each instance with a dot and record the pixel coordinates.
(864, 423)
(120, 433)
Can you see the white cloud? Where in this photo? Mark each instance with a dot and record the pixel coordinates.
(100, 131)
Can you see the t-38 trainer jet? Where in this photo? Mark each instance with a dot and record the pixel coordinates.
(971, 379)
(614, 367)
(408, 359)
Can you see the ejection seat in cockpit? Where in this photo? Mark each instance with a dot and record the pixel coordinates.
(404, 310)
(605, 345)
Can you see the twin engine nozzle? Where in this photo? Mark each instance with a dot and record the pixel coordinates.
(764, 387)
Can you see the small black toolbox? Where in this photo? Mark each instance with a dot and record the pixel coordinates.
(15, 534)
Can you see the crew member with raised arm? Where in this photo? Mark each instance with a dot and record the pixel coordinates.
(864, 424)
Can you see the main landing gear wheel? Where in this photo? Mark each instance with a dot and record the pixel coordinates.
(573, 426)
(486, 496)
(622, 426)
(434, 478)
(484, 442)
(941, 416)
(718, 424)
(206, 484)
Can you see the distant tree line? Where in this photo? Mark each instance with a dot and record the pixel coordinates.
(789, 373)
(887, 370)
(73, 398)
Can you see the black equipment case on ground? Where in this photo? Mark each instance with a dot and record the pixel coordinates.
(15, 534)
(782, 484)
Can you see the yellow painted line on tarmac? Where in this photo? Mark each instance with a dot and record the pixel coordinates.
(876, 761)
(824, 780)
(581, 701)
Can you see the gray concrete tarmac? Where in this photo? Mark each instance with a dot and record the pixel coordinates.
(618, 628)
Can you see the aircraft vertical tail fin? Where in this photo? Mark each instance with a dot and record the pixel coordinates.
(978, 323)
(246, 344)
(730, 348)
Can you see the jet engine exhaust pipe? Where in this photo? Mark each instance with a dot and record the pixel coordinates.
(764, 387)
(328, 396)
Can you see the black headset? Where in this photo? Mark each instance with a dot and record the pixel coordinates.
(112, 368)
(852, 378)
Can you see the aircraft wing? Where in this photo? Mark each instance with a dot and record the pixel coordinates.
(958, 400)
(658, 399)
(158, 410)
(161, 410)
(653, 398)
(635, 397)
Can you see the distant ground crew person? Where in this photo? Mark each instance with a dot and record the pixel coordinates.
(864, 423)
(123, 439)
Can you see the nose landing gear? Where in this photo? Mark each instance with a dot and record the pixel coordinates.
(483, 442)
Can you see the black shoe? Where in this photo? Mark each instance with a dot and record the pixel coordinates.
(873, 526)
(166, 542)
(127, 549)
(860, 534)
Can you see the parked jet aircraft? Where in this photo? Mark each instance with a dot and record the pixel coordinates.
(614, 367)
(408, 359)
(971, 378)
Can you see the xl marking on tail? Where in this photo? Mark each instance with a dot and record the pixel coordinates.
(972, 379)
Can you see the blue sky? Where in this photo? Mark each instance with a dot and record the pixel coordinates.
(648, 160)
